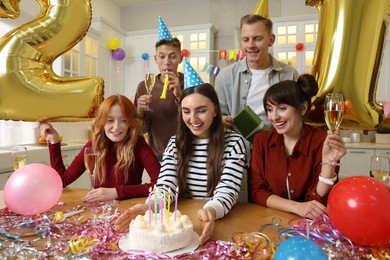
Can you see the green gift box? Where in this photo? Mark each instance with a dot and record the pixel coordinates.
(248, 123)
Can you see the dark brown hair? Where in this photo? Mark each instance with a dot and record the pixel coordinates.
(174, 43)
(293, 93)
(216, 145)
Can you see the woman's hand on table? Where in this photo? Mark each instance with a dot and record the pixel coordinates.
(310, 209)
(100, 194)
(121, 225)
(207, 218)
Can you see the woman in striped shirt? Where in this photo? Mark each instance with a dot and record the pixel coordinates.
(203, 160)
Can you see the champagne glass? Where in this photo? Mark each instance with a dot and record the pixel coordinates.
(149, 84)
(90, 161)
(379, 168)
(334, 111)
(19, 157)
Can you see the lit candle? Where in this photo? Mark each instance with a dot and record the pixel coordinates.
(176, 199)
(165, 202)
(161, 210)
(169, 204)
(150, 207)
(155, 204)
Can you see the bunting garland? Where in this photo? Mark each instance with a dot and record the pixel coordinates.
(224, 56)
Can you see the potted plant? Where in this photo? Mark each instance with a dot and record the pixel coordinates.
(382, 135)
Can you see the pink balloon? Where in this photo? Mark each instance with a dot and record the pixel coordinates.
(32, 189)
(359, 207)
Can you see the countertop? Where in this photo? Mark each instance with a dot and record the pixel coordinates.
(367, 145)
(36, 153)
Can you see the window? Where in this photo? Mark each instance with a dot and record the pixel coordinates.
(291, 32)
(82, 59)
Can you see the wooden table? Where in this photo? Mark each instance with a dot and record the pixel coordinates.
(244, 217)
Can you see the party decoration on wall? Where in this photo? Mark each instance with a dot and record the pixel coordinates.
(222, 55)
(163, 32)
(232, 55)
(358, 207)
(30, 90)
(299, 248)
(261, 8)
(191, 78)
(185, 53)
(114, 43)
(118, 54)
(240, 54)
(145, 56)
(347, 58)
(32, 189)
(299, 46)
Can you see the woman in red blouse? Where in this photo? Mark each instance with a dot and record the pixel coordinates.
(123, 153)
(290, 167)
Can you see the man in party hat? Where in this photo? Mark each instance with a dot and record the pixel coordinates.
(161, 123)
(245, 82)
(191, 78)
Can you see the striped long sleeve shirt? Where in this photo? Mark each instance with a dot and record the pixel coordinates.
(233, 167)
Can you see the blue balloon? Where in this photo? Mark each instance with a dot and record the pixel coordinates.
(298, 248)
(145, 56)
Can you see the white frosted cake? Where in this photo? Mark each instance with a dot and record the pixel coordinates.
(153, 236)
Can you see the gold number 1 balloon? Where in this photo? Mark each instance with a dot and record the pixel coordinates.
(348, 55)
(29, 89)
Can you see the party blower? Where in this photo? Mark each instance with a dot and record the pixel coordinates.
(165, 88)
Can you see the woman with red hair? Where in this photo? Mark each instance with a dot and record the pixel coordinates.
(122, 153)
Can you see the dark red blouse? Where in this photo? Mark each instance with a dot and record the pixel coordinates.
(144, 159)
(270, 167)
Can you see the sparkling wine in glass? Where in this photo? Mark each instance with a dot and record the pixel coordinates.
(90, 162)
(19, 157)
(334, 111)
(380, 168)
(149, 84)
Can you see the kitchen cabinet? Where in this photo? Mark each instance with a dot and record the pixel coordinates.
(357, 160)
(40, 154)
(83, 181)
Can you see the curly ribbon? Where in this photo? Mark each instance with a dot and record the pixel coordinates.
(81, 244)
(165, 88)
(41, 237)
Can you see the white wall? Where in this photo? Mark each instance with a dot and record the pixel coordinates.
(223, 14)
(104, 8)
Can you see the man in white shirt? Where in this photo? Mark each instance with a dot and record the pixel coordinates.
(245, 82)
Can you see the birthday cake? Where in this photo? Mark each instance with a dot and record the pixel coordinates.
(155, 234)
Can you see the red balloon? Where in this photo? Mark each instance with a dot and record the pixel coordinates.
(185, 53)
(359, 207)
(299, 46)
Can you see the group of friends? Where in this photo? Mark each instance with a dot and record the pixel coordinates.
(191, 145)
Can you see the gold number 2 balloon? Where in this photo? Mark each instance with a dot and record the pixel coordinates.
(348, 55)
(29, 89)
